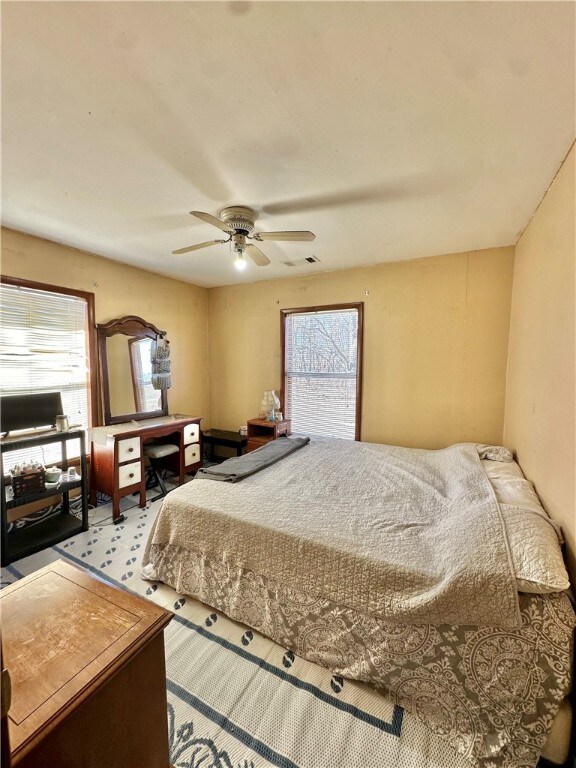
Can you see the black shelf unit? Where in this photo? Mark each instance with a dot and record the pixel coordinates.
(51, 530)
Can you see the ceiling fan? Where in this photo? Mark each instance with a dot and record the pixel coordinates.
(238, 223)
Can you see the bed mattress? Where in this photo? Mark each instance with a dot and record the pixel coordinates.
(395, 533)
(490, 690)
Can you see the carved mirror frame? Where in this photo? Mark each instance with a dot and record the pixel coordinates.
(136, 328)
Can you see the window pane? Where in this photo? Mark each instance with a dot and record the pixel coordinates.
(321, 372)
(149, 399)
(44, 348)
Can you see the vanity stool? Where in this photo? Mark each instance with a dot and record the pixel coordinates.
(155, 452)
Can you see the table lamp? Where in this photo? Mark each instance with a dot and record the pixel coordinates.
(270, 403)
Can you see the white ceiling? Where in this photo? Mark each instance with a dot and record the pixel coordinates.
(393, 130)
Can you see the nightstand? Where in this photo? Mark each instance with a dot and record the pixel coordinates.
(261, 431)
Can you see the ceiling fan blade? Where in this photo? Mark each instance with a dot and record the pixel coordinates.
(200, 245)
(213, 220)
(284, 235)
(398, 189)
(257, 256)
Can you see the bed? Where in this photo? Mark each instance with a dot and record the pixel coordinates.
(434, 575)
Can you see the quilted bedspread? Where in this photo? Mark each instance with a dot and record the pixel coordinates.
(490, 692)
(395, 533)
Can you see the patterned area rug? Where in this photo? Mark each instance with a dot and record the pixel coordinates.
(235, 698)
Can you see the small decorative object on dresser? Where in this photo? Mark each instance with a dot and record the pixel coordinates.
(261, 431)
(270, 404)
(30, 479)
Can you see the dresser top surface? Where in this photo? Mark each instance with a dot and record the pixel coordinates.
(268, 423)
(100, 434)
(65, 632)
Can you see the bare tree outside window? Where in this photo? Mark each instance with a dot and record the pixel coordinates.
(322, 353)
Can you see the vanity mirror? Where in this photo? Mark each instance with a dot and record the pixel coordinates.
(125, 346)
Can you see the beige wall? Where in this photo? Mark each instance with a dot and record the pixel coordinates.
(541, 390)
(176, 307)
(435, 345)
(435, 340)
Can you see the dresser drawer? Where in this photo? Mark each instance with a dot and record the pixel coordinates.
(129, 474)
(128, 449)
(257, 442)
(191, 434)
(191, 454)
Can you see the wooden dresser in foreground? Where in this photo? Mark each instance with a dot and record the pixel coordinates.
(86, 662)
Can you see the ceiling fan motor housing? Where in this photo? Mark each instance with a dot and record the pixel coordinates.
(238, 243)
(240, 217)
(237, 221)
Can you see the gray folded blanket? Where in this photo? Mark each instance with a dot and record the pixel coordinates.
(236, 469)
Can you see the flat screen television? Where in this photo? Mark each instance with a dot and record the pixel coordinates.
(29, 411)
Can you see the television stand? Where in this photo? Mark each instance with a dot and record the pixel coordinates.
(29, 539)
(24, 433)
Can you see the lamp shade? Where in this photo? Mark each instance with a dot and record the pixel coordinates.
(270, 403)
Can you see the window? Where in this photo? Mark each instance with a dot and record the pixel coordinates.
(45, 346)
(322, 369)
(145, 396)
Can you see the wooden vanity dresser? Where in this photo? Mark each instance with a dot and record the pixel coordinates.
(136, 412)
(117, 455)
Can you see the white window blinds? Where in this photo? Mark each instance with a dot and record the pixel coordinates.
(321, 367)
(44, 348)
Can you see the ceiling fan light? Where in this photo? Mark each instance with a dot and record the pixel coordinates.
(240, 262)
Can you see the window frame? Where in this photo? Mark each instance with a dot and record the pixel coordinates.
(357, 305)
(93, 409)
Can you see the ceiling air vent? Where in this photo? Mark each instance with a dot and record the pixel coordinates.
(301, 262)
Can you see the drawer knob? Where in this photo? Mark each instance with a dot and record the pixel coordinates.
(131, 474)
(130, 449)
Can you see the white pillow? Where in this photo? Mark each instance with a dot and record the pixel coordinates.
(494, 452)
(536, 553)
(533, 537)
